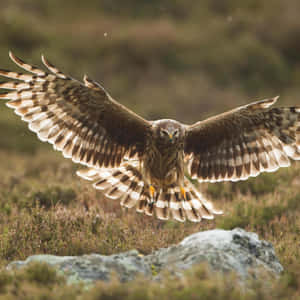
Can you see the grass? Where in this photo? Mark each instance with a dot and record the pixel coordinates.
(46, 209)
(162, 60)
(39, 281)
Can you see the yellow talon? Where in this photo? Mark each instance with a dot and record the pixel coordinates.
(183, 193)
(151, 190)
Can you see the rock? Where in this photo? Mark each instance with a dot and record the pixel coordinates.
(223, 250)
(93, 267)
(235, 250)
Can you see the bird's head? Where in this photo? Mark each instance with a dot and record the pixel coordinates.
(168, 131)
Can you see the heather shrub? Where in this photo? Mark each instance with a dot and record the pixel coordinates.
(165, 59)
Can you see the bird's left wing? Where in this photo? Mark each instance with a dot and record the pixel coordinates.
(81, 120)
(243, 142)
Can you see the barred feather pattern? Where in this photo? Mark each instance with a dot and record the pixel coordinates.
(125, 184)
(88, 126)
(256, 140)
(76, 118)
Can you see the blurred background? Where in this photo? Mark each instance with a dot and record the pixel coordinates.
(162, 58)
(185, 60)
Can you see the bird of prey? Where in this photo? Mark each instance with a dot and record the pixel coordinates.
(148, 164)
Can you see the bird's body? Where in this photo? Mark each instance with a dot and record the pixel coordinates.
(143, 163)
(162, 165)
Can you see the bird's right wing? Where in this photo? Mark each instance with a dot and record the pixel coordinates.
(243, 142)
(81, 120)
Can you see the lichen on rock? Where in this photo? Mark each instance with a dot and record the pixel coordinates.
(222, 250)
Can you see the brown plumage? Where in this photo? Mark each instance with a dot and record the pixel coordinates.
(143, 163)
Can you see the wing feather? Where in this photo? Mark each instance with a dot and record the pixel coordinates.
(81, 120)
(244, 142)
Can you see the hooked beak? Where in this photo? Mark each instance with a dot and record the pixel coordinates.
(171, 136)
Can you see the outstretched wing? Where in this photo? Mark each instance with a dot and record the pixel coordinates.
(244, 142)
(81, 120)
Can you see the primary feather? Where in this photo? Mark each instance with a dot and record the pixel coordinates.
(75, 118)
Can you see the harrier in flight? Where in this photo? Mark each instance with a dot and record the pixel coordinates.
(146, 164)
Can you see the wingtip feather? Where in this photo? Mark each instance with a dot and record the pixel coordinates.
(44, 60)
(15, 59)
(12, 56)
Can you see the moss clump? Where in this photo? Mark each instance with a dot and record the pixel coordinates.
(154, 270)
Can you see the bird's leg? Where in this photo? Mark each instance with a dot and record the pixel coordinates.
(183, 193)
(152, 191)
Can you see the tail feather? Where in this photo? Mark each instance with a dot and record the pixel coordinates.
(190, 207)
(133, 194)
(143, 203)
(114, 193)
(176, 206)
(126, 183)
(162, 206)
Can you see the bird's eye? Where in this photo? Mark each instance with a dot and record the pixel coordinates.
(164, 132)
(176, 132)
